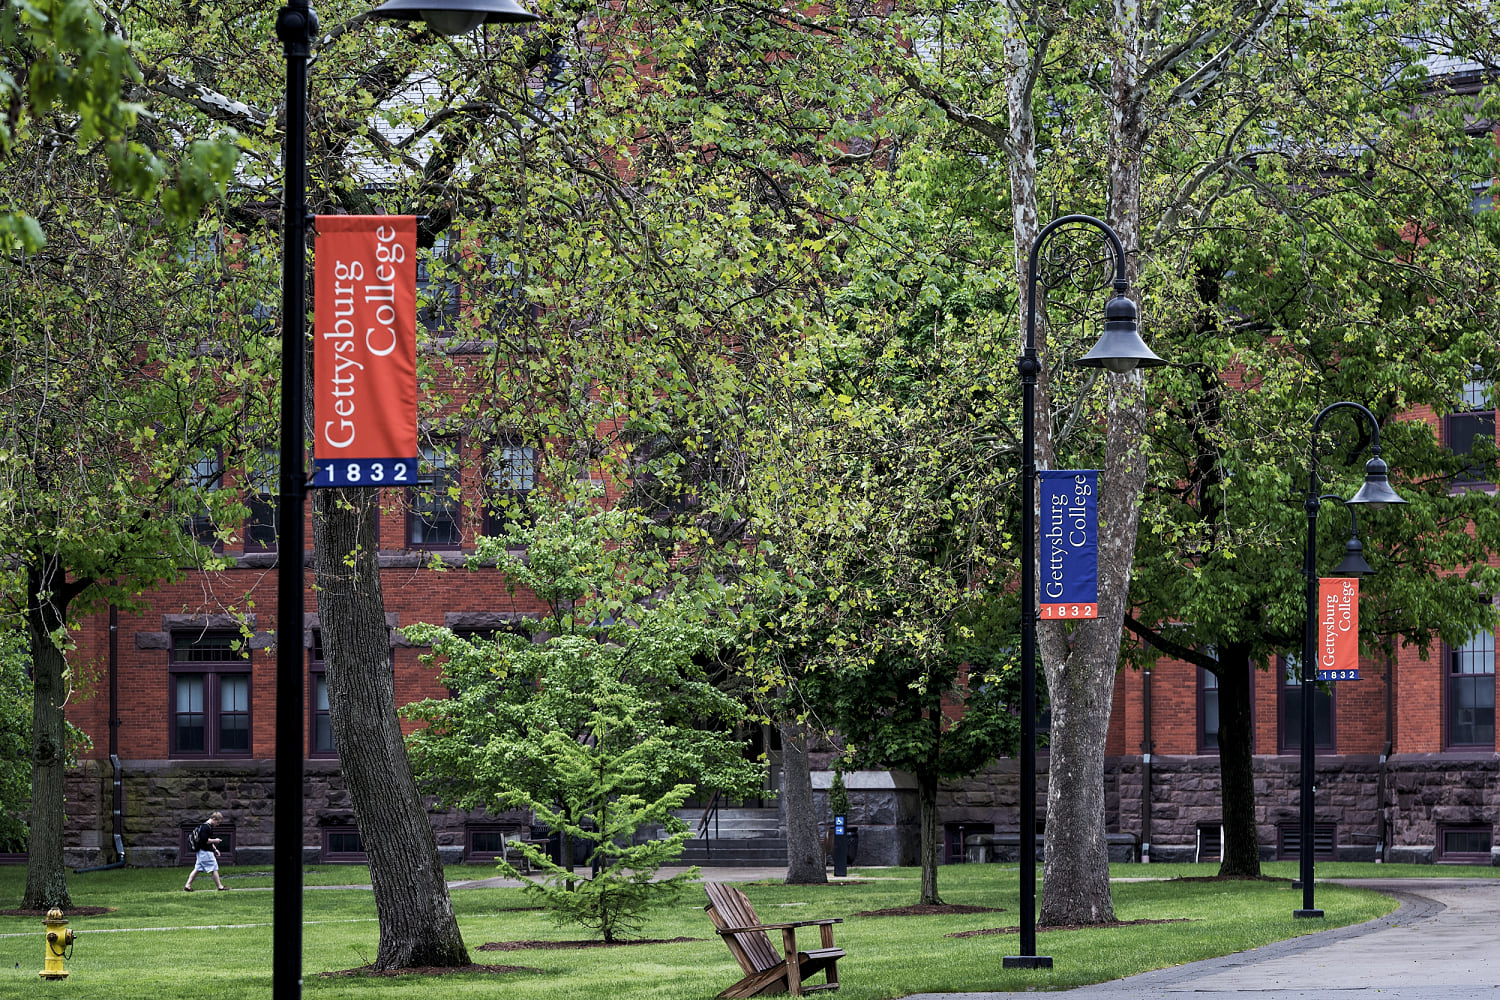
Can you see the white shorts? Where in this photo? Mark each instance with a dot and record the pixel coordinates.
(207, 862)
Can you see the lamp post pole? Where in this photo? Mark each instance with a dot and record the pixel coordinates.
(1375, 493)
(296, 24)
(1120, 349)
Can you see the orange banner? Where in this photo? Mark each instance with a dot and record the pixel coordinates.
(365, 351)
(1338, 628)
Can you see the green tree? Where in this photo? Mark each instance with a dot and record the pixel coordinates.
(64, 72)
(597, 717)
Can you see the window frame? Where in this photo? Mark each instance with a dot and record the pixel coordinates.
(1445, 857)
(445, 447)
(317, 671)
(1450, 679)
(1204, 687)
(326, 853)
(472, 856)
(200, 521)
(1283, 744)
(501, 466)
(1474, 395)
(439, 301)
(225, 833)
(264, 492)
(212, 673)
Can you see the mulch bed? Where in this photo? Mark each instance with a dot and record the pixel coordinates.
(1064, 927)
(430, 970)
(591, 943)
(77, 911)
(809, 885)
(931, 910)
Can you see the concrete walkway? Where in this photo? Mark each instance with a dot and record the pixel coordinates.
(1442, 944)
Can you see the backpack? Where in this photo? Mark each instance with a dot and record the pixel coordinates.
(201, 833)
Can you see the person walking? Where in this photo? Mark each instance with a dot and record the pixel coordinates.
(203, 841)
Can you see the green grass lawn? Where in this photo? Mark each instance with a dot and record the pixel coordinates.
(163, 944)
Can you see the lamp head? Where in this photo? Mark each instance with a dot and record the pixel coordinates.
(1120, 349)
(1353, 563)
(1376, 491)
(454, 17)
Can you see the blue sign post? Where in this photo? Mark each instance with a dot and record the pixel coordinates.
(1069, 543)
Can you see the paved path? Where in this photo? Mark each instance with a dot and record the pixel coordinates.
(1442, 944)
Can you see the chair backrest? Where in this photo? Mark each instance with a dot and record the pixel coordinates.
(728, 907)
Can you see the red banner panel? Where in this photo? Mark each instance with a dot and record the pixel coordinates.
(1338, 629)
(365, 351)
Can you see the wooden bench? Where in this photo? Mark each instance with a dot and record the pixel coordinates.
(766, 971)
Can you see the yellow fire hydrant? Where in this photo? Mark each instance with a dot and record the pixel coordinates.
(59, 945)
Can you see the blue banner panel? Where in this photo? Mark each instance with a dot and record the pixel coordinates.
(1069, 543)
(365, 472)
(1338, 675)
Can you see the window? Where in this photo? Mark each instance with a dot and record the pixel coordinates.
(1210, 843)
(437, 292)
(203, 477)
(1289, 841)
(512, 477)
(210, 696)
(435, 512)
(1471, 692)
(1465, 845)
(342, 845)
(320, 725)
(954, 835)
(483, 843)
(1208, 712)
(1471, 421)
(261, 526)
(225, 833)
(1291, 709)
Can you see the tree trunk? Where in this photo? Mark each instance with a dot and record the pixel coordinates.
(1075, 869)
(927, 785)
(1236, 766)
(417, 925)
(804, 849)
(46, 876)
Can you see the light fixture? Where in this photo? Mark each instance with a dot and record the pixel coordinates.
(454, 17)
(1376, 491)
(1120, 348)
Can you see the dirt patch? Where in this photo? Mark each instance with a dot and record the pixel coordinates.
(1064, 927)
(430, 970)
(77, 911)
(930, 910)
(808, 885)
(591, 943)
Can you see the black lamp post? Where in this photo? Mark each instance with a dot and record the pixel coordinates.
(1120, 350)
(296, 26)
(1375, 493)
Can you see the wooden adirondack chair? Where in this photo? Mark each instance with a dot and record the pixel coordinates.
(765, 970)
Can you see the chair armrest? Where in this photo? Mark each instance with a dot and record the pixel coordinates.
(780, 927)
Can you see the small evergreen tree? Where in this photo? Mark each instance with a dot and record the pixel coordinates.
(603, 727)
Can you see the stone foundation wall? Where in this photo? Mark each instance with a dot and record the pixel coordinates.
(1390, 811)
(164, 796)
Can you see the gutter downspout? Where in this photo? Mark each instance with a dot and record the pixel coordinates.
(117, 796)
(1146, 744)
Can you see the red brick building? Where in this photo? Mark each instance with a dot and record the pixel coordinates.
(1408, 767)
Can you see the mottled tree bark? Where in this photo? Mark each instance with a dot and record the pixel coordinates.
(804, 849)
(46, 876)
(417, 925)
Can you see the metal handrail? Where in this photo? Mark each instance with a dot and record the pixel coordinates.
(710, 810)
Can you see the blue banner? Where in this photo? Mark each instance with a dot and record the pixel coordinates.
(1069, 543)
